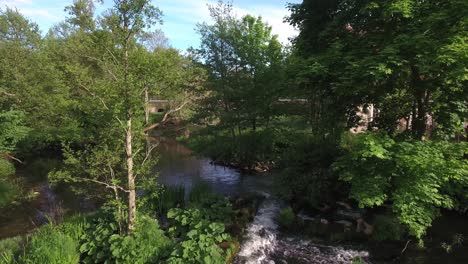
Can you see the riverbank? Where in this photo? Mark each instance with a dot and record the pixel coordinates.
(177, 166)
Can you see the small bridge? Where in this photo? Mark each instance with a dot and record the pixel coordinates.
(158, 105)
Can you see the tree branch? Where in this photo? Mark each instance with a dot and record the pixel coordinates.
(149, 153)
(107, 185)
(166, 116)
(14, 158)
(7, 93)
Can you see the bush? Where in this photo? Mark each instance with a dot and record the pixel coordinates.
(246, 150)
(159, 199)
(8, 189)
(95, 247)
(213, 206)
(200, 238)
(418, 178)
(306, 179)
(286, 218)
(74, 227)
(387, 228)
(50, 245)
(102, 241)
(171, 196)
(8, 192)
(201, 192)
(10, 249)
(6, 169)
(147, 244)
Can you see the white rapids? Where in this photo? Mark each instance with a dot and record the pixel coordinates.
(264, 245)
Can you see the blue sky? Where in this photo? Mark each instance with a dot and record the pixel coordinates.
(180, 16)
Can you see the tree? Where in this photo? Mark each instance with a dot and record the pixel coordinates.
(243, 60)
(372, 52)
(31, 83)
(418, 178)
(115, 159)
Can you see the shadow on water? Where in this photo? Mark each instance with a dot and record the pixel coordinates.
(43, 204)
(178, 166)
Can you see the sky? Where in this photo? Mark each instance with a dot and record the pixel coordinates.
(180, 17)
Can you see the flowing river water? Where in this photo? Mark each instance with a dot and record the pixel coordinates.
(263, 242)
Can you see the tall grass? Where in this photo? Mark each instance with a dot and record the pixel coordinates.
(52, 246)
(170, 197)
(10, 248)
(199, 193)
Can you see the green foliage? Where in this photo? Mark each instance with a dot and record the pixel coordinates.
(102, 241)
(6, 169)
(147, 244)
(8, 192)
(367, 165)
(387, 227)
(358, 261)
(200, 238)
(161, 199)
(417, 177)
(96, 243)
(8, 188)
(10, 249)
(12, 130)
(306, 179)
(286, 217)
(353, 53)
(213, 206)
(201, 228)
(74, 227)
(244, 64)
(252, 148)
(200, 192)
(49, 245)
(457, 242)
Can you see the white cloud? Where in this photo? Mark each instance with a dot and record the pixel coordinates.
(49, 14)
(274, 16)
(192, 12)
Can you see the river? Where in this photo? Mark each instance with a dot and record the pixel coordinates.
(263, 242)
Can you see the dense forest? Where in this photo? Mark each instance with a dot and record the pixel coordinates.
(360, 121)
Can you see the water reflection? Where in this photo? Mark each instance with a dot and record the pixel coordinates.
(178, 166)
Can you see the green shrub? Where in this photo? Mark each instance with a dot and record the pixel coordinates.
(170, 197)
(286, 217)
(200, 192)
(6, 168)
(95, 247)
(358, 260)
(246, 150)
(50, 245)
(147, 244)
(102, 241)
(8, 189)
(10, 248)
(200, 238)
(418, 178)
(306, 177)
(74, 227)
(387, 228)
(8, 192)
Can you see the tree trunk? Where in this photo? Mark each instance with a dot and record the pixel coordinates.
(421, 96)
(146, 106)
(147, 113)
(131, 177)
